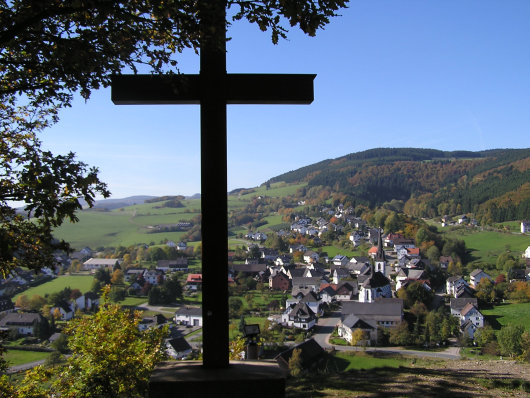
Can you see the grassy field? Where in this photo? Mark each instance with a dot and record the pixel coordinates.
(271, 221)
(277, 190)
(81, 282)
(126, 226)
(509, 314)
(487, 245)
(19, 357)
(346, 361)
(133, 301)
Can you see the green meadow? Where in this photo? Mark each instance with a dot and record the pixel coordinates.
(126, 226)
(488, 245)
(362, 361)
(508, 314)
(81, 282)
(19, 357)
(133, 224)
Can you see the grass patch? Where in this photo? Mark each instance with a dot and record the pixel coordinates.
(346, 361)
(81, 282)
(508, 314)
(338, 341)
(19, 357)
(487, 245)
(126, 226)
(133, 301)
(474, 353)
(504, 384)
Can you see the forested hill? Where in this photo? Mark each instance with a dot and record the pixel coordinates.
(492, 185)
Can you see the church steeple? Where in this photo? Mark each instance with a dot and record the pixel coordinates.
(380, 257)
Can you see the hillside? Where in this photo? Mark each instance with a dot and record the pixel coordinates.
(493, 184)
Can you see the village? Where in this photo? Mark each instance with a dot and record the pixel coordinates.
(383, 298)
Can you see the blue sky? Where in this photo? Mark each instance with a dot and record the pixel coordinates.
(449, 75)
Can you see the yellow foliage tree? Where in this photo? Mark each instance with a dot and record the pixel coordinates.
(356, 337)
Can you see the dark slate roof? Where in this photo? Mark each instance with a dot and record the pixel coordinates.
(307, 281)
(193, 311)
(179, 344)
(311, 352)
(458, 303)
(378, 307)
(310, 297)
(344, 288)
(465, 291)
(354, 322)
(20, 319)
(297, 272)
(301, 310)
(361, 259)
(173, 263)
(342, 272)
(376, 280)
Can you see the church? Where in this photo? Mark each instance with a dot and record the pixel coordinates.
(376, 284)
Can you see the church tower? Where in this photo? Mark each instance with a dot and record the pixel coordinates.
(380, 258)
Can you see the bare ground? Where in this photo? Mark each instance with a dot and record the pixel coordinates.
(453, 379)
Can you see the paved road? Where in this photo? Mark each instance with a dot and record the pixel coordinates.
(23, 367)
(326, 325)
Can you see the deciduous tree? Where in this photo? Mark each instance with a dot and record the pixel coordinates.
(295, 363)
(110, 357)
(510, 338)
(51, 49)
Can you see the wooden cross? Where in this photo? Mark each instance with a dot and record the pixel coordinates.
(213, 89)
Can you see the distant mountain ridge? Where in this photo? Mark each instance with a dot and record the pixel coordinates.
(111, 204)
(492, 184)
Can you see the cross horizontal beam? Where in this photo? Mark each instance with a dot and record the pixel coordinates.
(186, 89)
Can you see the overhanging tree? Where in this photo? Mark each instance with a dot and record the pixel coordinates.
(51, 49)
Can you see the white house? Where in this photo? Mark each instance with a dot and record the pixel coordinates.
(181, 246)
(458, 304)
(472, 314)
(66, 312)
(299, 316)
(346, 327)
(407, 274)
(191, 316)
(154, 276)
(340, 260)
(96, 263)
(133, 273)
(87, 301)
(476, 276)
(381, 313)
(527, 252)
(525, 226)
(311, 256)
(453, 283)
(23, 323)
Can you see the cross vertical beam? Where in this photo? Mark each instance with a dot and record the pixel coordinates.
(213, 89)
(214, 189)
